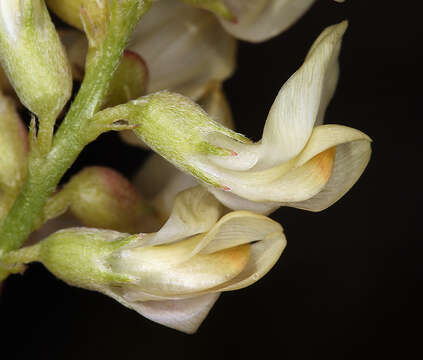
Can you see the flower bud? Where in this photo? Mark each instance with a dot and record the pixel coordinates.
(94, 17)
(70, 11)
(33, 57)
(129, 81)
(101, 197)
(13, 146)
(76, 46)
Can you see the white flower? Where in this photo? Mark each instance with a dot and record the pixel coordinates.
(173, 276)
(185, 47)
(294, 164)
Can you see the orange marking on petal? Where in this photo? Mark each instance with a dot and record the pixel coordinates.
(325, 162)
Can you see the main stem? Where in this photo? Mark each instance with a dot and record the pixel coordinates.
(44, 174)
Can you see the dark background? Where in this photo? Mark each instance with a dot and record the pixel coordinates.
(346, 286)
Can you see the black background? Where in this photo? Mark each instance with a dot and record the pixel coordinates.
(346, 286)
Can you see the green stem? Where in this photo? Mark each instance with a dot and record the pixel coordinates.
(45, 173)
(14, 261)
(45, 134)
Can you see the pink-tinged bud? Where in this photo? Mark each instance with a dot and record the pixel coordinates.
(100, 197)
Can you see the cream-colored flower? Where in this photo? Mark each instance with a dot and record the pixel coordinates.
(296, 163)
(300, 162)
(173, 276)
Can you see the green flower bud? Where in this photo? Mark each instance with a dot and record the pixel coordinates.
(101, 197)
(33, 57)
(129, 80)
(13, 146)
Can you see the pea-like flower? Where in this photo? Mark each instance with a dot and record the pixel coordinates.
(173, 276)
(296, 163)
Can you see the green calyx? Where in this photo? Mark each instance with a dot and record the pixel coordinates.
(77, 256)
(173, 126)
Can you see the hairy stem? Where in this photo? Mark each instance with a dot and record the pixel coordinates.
(45, 173)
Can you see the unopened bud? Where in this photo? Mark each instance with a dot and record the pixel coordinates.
(33, 57)
(13, 146)
(94, 17)
(101, 197)
(129, 80)
(70, 11)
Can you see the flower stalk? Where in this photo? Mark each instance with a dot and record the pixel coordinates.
(45, 173)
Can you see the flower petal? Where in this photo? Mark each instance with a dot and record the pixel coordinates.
(296, 108)
(331, 77)
(171, 30)
(171, 269)
(185, 315)
(350, 161)
(327, 136)
(351, 157)
(238, 228)
(282, 182)
(235, 202)
(263, 255)
(195, 211)
(260, 20)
